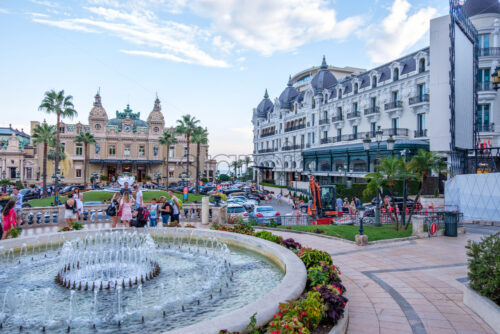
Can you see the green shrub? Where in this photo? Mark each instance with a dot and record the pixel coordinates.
(316, 276)
(484, 267)
(313, 308)
(314, 257)
(14, 232)
(436, 192)
(270, 181)
(76, 225)
(266, 235)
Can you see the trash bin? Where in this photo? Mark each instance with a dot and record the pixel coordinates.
(451, 224)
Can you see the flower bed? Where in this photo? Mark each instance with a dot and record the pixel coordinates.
(323, 301)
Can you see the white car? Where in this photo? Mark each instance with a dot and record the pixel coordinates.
(237, 210)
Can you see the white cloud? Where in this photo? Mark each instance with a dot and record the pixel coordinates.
(65, 24)
(37, 14)
(223, 45)
(4, 11)
(46, 3)
(268, 26)
(397, 32)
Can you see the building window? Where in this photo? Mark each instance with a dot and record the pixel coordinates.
(395, 96)
(484, 44)
(354, 107)
(126, 150)
(61, 129)
(483, 79)
(339, 111)
(313, 103)
(374, 103)
(421, 65)
(373, 128)
(79, 149)
(142, 150)
(340, 93)
(13, 172)
(309, 138)
(421, 122)
(112, 149)
(421, 92)
(355, 131)
(29, 173)
(483, 117)
(186, 151)
(325, 114)
(313, 136)
(78, 173)
(171, 151)
(374, 81)
(170, 174)
(313, 119)
(339, 134)
(395, 76)
(156, 129)
(97, 126)
(325, 134)
(395, 123)
(356, 88)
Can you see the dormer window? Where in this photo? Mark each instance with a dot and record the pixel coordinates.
(356, 88)
(97, 126)
(395, 75)
(421, 65)
(374, 81)
(340, 93)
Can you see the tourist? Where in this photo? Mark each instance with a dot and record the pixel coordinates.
(339, 204)
(165, 210)
(153, 213)
(125, 189)
(126, 209)
(9, 218)
(138, 197)
(352, 208)
(358, 202)
(78, 197)
(174, 202)
(70, 210)
(279, 198)
(141, 216)
(112, 210)
(19, 203)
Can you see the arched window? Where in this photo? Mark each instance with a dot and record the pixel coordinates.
(395, 75)
(326, 97)
(356, 88)
(340, 93)
(421, 65)
(374, 81)
(286, 164)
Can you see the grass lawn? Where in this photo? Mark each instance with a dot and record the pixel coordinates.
(98, 196)
(349, 231)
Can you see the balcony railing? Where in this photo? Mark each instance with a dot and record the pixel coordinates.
(295, 127)
(483, 52)
(268, 150)
(489, 127)
(338, 118)
(483, 86)
(372, 110)
(396, 132)
(292, 147)
(420, 133)
(324, 121)
(353, 114)
(419, 99)
(393, 105)
(308, 145)
(272, 133)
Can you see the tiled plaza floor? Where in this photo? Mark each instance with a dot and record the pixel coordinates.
(403, 287)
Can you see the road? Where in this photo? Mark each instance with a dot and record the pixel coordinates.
(481, 229)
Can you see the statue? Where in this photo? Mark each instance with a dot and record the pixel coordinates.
(155, 151)
(97, 148)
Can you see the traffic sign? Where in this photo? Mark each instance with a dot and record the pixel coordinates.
(433, 228)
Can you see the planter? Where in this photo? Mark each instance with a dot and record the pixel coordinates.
(341, 326)
(483, 307)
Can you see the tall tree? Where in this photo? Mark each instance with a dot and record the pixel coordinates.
(185, 126)
(44, 134)
(168, 139)
(86, 138)
(199, 136)
(62, 106)
(247, 161)
(234, 164)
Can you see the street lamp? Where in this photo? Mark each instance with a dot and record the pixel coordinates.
(390, 144)
(404, 153)
(378, 137)
(366, 145)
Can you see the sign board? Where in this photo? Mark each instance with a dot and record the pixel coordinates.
(433, 228)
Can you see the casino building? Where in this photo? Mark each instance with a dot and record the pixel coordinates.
(335, 122)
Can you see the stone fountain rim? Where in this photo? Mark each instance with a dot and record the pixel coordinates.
(291, 286)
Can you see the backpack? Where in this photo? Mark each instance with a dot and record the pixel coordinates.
(143, 215)
(111, 210)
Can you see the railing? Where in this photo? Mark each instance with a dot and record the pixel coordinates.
(324, 121)
(418, 99)
(268, 150)
(483, 52)
(490, 127)
(372, 110)
(420, 133)
(308, 145)
(353, 114)
(393, 105)
(396, 132)
(483, 86)
(292, 147)
(338, 118)
(272, 133)
(295, 127)
(288, 220)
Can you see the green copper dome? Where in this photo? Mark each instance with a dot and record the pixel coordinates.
(135, 117)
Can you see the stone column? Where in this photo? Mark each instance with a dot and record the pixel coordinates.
(204, 210)
(418, 226)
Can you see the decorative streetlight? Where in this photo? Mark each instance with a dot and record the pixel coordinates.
(390, 144)
(404, 153)
(378, 137)
(366, 145)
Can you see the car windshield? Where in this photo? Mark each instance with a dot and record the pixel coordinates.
(66, 189)
(238, 209)
(265, 209)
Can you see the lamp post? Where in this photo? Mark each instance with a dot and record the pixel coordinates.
(404, 153)
(366, 145)
(378, 138)
(281, 183)
(390, 144)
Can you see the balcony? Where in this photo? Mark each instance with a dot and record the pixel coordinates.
(292, 147)
(268, 150)
(393, 105)
(396, 132)
(338, 118)
(272, 133)
(354, 114)
(488, 127)
(324, 121)
(331, 140)
(372, 111)
(484, 52)
(294, 128)
(420, 133)
(484, 86)
(418, 99)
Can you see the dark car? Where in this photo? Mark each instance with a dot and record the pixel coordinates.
(70, 189)
(29, 194)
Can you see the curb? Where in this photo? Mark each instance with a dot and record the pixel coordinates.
(483, 307)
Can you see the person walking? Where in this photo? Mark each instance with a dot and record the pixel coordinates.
(138, 197)
(78, 197)
(174, 202)
(126, 209)
(339, 205)
(19, 203)
(9, 218)
(165, 210)
(112, 210)
(153, 213)
(70, 210)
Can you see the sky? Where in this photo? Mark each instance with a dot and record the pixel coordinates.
(211, 59)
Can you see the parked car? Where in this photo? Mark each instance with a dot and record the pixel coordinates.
(264, 214)
(70, 189)
(237, 210)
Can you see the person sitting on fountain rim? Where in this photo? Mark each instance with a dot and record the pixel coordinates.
(9, 218)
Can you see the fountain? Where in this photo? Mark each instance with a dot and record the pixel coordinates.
(125, 177)
(153, 281)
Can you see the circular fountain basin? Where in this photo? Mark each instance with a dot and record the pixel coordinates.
(209, 280)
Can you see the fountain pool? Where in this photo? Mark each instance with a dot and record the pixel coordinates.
(129, 281)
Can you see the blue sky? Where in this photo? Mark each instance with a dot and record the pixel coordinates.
(209, 58)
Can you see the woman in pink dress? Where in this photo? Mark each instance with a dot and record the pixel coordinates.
(126, 209)
(9, 218)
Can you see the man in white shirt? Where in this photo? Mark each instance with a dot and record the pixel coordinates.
(138, 197)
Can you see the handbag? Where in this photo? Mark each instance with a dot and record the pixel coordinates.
(111, 210)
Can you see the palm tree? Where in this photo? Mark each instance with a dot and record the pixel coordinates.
(423, 164)
(247, 162)
(44, 134)
(199, 136)
(86, 138)
(62, 106)
(168, 139)
(234, 164)
(185, 126)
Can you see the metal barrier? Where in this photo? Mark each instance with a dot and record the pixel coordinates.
(292, 220)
